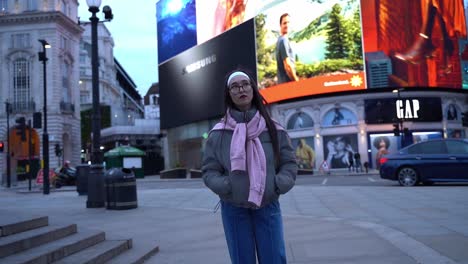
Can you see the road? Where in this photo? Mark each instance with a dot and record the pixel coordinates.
(302, 180)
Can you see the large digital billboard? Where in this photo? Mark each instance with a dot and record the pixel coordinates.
(309, 47)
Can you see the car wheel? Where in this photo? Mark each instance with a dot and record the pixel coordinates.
(407, 176)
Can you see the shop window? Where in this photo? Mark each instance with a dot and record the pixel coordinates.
(300, 120)
(339, 116)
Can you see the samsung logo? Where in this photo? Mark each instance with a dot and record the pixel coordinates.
(199, 64)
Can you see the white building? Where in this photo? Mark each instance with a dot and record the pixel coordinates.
(68, 76)
(22, 24)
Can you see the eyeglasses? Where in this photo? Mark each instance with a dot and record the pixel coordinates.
(235, 88)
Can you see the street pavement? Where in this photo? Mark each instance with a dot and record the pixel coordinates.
(322, 224)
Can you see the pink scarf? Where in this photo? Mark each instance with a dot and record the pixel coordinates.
(246, 149)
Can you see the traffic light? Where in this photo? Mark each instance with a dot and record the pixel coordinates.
(465, 119)
(396, 129)
(21, 128)
(58, 151)
(2, 146)
(37, 118)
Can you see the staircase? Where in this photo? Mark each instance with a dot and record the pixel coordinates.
(25, 239)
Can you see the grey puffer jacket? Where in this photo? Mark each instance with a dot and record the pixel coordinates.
(233, 187)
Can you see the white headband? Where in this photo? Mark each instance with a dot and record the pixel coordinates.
(234, 74)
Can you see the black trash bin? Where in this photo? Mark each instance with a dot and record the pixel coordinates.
(120, 185)
(82, 173)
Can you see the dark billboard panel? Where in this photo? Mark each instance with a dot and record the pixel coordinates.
(192, 83)
(316, 48)
(177, 27)
(414, 43)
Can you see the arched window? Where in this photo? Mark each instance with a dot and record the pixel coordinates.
(339, 116)
(21, 83)
(300, 120)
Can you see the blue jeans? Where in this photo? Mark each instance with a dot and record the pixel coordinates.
(249, 230)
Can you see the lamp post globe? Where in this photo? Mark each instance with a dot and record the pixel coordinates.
(93, 3)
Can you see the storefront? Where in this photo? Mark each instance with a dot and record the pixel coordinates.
(336, 125)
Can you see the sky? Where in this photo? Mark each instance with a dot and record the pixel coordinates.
(135, 41)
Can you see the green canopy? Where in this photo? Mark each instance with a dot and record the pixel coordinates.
(124, 151)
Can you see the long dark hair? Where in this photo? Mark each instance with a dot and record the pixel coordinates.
(259, 102)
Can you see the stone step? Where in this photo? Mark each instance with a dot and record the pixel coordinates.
(99, 253)
(57, 249)
(139, 253)
(12, 224)
(32, 238)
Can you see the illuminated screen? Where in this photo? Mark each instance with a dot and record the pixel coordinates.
(177, 27)
(414, 43)
(330, 45)
(319, 51)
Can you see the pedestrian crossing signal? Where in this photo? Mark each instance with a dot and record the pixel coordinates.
(396, 130)
(2, 146)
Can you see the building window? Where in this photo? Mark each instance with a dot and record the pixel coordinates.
(3, 6)
(21, 82)
(64, 43)
(66, 91)
(65, 8)
(20, 41)
(31, 5)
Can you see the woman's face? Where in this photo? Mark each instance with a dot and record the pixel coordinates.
(241, 92)
(382, 144)
(340, 145)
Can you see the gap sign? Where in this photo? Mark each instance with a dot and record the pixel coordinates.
(390, 110)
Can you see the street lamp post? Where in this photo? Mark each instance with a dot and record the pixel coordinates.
(8, 159)
(45, 135)
(400, 119)
(96, 177)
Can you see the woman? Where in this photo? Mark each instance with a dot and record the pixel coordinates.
(249, 162)
(452, 113)
(338, 150)
(305, 155)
